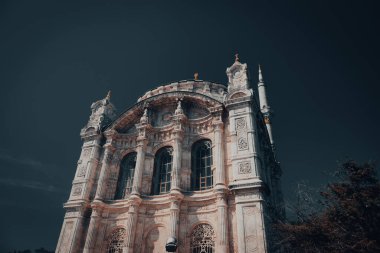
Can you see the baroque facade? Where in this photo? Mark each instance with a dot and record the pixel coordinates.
(191, 164)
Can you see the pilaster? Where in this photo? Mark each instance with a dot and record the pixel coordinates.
(143, 128)
(104, 173)
(134, 202)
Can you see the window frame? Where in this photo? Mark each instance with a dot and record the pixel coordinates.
(127, 169)
(202, 177)
(163, 167)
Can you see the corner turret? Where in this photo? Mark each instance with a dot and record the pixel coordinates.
(102, 113)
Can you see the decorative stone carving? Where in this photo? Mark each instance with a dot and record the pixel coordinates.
(82, 170)
(77, 190)
(240, 124)
(177, 116)
(242, 143)
(250, 229)
(102, 112)
(86, 153)
(244, 168)
(116, 241)
(241, 129)
(237, 76)
(203, 239)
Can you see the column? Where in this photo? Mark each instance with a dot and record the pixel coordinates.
(222, 235)
(131, 225)
(174, 218)
(137, 180)
(100, 191)
(92, 232)
(218, 154)
(177, 158)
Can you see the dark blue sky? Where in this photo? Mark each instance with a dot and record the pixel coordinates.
(320, 63)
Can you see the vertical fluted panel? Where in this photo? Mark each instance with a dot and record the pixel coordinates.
(91, 234)
(219, 153)
(177, 155)
(174, 219)
(130, 227)
(222, 225)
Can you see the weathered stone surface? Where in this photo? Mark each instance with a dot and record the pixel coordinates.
(226, 215)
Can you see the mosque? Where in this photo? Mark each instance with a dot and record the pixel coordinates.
(190, 168)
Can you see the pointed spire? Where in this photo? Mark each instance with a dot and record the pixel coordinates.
(236, 57)
(108, 97)
(261, 80)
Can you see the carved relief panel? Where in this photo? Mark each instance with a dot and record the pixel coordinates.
(241, 130)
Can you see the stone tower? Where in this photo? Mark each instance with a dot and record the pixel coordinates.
(190, 166)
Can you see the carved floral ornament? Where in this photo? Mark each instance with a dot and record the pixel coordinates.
(77, 190)
(237, 76)
(242, 143)
(203, 239)
(244, 168)
(240, 124)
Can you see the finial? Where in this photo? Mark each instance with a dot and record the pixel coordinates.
(108, 97)
(236, 57)
(144, 118)
(196, 76)
(260, 75)
(179, 108)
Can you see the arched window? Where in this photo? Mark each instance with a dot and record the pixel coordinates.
(201, 162)
(162, 171)
(127, 171)
(116, 242)
(203, 239)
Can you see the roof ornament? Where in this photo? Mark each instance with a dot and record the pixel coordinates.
(179, 109)
(108, 97)
(236, 57)
(144, 118)
(196, 75)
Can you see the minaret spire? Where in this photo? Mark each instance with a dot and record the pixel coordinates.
(264, 105)
(260, 75)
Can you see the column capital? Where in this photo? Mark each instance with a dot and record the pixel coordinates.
(178, 134)
(134, 200)
(176, 196)
(221, 191)
(109, 148)
(142, 141)
(218, 125)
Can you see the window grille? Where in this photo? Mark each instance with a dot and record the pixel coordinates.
(201, 172)
(116, 242)
(127, 171)
(203, 239)
(162, 171)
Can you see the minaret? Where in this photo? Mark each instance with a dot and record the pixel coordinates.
(264, 106)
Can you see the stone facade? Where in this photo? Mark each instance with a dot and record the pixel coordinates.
(192, 161)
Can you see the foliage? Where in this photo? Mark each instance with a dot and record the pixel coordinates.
(349, 220)
(41, 250)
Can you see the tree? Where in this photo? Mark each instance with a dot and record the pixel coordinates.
(349, 220)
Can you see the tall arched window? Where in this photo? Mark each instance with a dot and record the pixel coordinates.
(127, 171)
(116, 242)
(203, 239)
(201, 162)
(162, 171)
